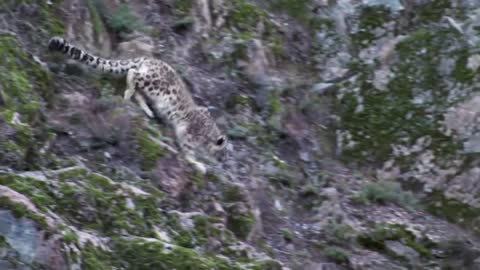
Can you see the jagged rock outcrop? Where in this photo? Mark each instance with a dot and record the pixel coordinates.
(353, 126)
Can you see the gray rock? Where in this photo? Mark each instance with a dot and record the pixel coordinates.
(142, 45)
(321, 88)
(402, 250)
(31, 243)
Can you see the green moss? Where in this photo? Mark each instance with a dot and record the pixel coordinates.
(202, 230)
(298, 9)
(266, 136)
(140, 254)
(390, 116)
(96, 259)
(454, 211)
(245, 15)
(274, 104)
(182, 7)
(19, 210)
(242, 20)
(70, 237)
(149, 150)
(240, 224)
(287, 235)
(461, 72)
(25, 88)
(265, 265)
(47, 17)
(375, 240)
(94, 6)
(102, 181)
(386, 192)
(117, 218)
(239, 100)
(91, 200)
(7, 115)
(205, 228)
(370, 18)
(3, 242)
(432, 11)
(72, 174)
(233, 193)
(337, 255)
(275, 111)
(148, 215)
(36, 190)
(20, 74)
(180, 235)
(338, 233)
(123, 21)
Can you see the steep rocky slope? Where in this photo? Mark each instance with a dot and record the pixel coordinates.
(353, 123)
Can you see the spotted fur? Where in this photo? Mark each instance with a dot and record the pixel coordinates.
(156, 86)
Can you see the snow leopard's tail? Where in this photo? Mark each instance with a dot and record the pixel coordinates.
(98, 63)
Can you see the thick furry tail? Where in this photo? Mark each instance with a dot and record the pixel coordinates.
(98, 63)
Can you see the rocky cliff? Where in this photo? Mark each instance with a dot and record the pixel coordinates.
(354, 127)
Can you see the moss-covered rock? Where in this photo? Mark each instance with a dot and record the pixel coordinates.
(432, 11)
(25, 88)
(265, 265)
(240, 224)
(183, 7)
(298, 9)
(19, 210)
(149, 150)
(94, 258)
(337, 255)
(95, 12)
(412, 107)
(243, 22)
(375, 240)
(387, 192)
(370, 20)
(83, 198)
(454, 211)
(143, 254)
(240, 220)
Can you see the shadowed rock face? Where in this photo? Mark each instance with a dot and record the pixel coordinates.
(30, 244)
(353, 130)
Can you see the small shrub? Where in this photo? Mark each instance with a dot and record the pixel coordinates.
(386, 192)
(123, 21)
(70, 237)
(337, 255)
(338, 233)
(149, 150)
(287, 235)
(96, 7)
(295, 8)
(182, 7)
(375, 240)
(95, 259)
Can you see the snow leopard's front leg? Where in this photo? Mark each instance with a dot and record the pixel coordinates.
(130, 85)
(184, 141)
(199, 166)
(130, 91)
(143, 104)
